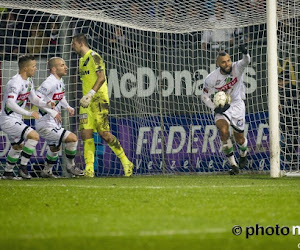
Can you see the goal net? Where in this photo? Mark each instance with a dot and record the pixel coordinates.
(157, 54)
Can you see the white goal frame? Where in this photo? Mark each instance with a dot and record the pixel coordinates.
(272, 69)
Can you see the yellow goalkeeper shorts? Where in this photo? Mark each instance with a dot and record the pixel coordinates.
(95, 116)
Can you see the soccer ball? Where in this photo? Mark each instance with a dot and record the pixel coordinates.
(221, 98)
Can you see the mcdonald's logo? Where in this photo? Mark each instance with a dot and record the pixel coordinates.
(287, 65)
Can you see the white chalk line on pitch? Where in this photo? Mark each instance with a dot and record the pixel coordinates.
(123, 233)
(149, 187)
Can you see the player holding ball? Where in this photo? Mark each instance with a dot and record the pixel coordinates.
(228, 77)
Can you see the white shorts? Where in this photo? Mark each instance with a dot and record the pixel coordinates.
(52, 133)
(16, 130)
(235, 116)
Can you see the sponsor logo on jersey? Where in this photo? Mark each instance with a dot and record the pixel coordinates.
(84, 72)
(228, 85)
(23, 97)
(58, 96)
(83, 119)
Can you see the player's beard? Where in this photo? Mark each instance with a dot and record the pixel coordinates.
(227, 72)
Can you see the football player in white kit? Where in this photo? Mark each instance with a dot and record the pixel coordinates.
(228, 77)
(53, 89)
(18, 90)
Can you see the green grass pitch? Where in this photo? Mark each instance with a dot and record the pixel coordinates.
(149, 212)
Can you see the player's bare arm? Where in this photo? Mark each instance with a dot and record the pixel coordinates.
(100, 80)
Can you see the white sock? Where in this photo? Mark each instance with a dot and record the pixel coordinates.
(228, 150)
(51, 159)
(244, 148)
(27, 151)
(11, 159)
(70, 150)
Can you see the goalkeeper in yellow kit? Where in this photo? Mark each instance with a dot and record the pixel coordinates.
(95, 105)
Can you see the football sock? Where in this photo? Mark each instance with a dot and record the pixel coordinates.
(27, 151)
(228, 150)
(244, 148)
(118, 150)
(89, 151)
(70, 150)
(51, 159)
(12, 159)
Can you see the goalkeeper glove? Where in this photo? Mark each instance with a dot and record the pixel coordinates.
(221, 110)
(86, 99)
(243, 49)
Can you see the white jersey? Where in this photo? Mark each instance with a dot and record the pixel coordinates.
(234, 86)
(231, 83)
(52, 89)
(19, 90)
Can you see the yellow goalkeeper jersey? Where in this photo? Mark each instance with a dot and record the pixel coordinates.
(89, 64)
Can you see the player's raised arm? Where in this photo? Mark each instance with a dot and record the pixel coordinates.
(246, 57)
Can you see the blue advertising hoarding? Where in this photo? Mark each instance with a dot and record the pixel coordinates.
(192, 144)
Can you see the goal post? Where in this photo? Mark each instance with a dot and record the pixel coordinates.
(157, 54)
(273, 89)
